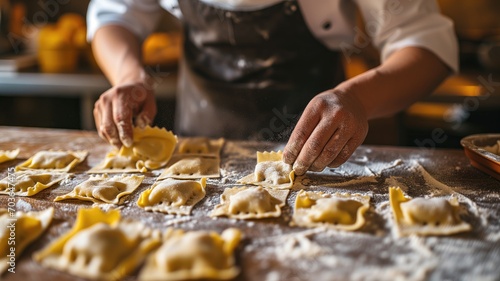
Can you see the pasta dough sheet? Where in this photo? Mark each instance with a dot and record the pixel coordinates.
(271, 172)
(251, 202)
(342, 211)
(29, 183)
(200, 146)
(27, 228)
(194, 255)
(151, 149)
(191, 167)
(7, 155)
(173, 196)
(425, 216)
(100, 246)
(104, 189)
(55, 161)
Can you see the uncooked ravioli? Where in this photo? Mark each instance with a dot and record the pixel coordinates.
(250, 202)
(172, 196)
(100, 246)
(194, 255)
(425, 216)
(56, 161)
(7, 155)
(271, 172)
(151, 149)
(343, 211)
(29, 183)
(104, 189)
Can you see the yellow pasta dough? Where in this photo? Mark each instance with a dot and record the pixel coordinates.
(151, 149)
(104, 189)
(172, 196)
(250, 202)
(200, 146)
(495, 149)
(271, 172)
(28, 183)
(194, 255)
(60, 161)
(425, 216)
(17, 231)
(100, 246)
(343, 211)
(7, 155)
(191, 167)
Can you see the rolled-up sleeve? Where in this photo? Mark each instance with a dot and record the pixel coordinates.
(138, 16)
(396, 24)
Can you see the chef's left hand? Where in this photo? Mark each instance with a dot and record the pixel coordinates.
(332, 126)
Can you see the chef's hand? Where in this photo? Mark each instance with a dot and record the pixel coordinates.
(332, 126)
(116, 108)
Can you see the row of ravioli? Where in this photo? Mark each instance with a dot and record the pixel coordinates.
(103, 246)
(174, 193)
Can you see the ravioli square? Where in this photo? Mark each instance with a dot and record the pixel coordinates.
(191, 167)
(7, 155)
(104, 189)
(250, 202)
(57, 161)
(151, 149)
(28, 227)
(29, 183)
(194, 255)
(340, 211)
(425, 216)
(100, 246)
(173, 196)
(200, 146)
(271, 172)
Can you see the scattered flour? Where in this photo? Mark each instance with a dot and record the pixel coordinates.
(24, 206)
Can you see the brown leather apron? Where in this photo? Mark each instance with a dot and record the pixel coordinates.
(250, 74)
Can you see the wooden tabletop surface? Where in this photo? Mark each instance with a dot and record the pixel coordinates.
(274, 250)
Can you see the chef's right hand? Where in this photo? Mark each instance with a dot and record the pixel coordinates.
(116, 108)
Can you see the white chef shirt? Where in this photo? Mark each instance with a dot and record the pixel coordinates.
(390, 24)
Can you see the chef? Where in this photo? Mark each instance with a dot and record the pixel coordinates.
(271, 69)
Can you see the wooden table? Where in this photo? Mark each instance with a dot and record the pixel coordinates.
(273, 250)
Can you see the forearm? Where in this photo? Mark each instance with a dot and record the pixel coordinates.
(118, 53)
(407, 76)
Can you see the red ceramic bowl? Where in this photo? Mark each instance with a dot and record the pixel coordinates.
(480, 158)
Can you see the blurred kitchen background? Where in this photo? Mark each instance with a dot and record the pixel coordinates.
(48, 77)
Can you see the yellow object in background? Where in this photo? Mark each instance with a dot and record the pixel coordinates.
(60, 44)
(162, 48)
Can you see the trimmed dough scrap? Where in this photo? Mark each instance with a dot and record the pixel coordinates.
(100, 246)
(104, 189)
(57, 161)
(251, 202)
(342, 211)
(194, 255)
(151, 149)
(28, 183)
(28, 227)
(7, 155)
(191, 167)
(271, 172)
(200, 146)
(173, 196)
(425, 216)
